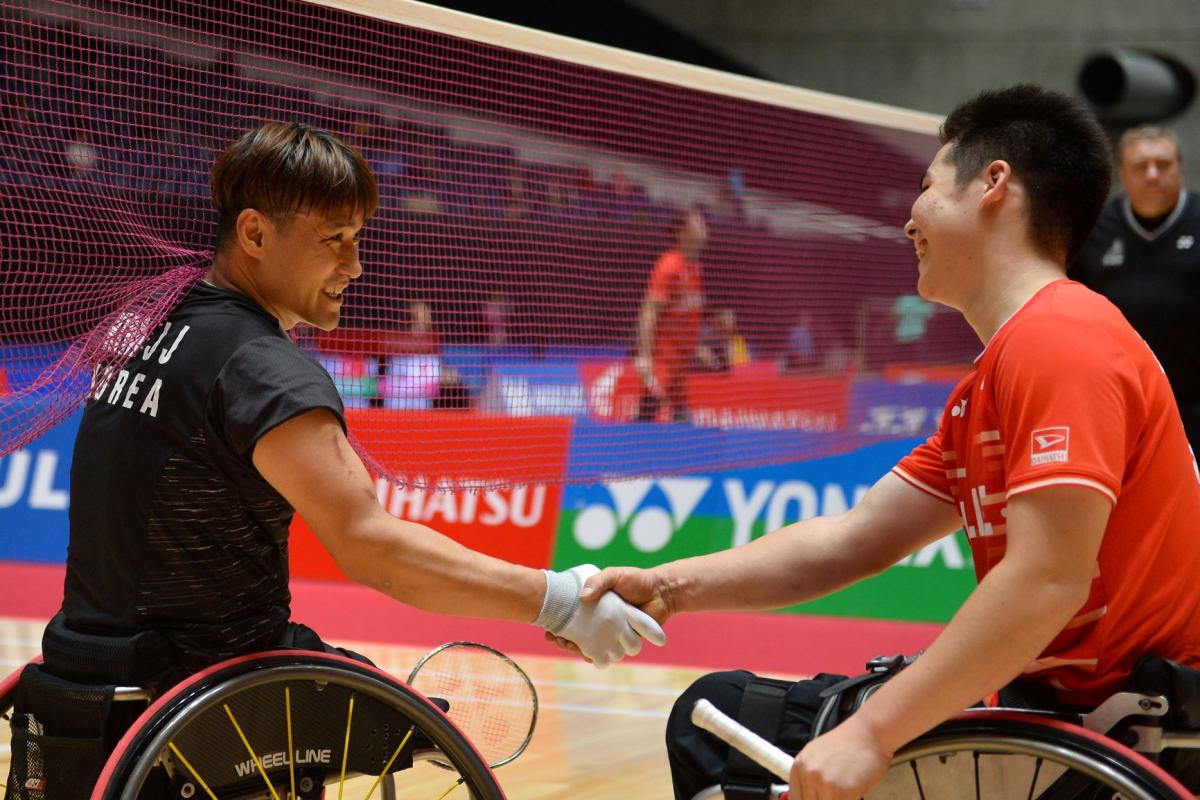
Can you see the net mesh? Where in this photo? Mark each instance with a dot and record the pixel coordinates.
(525, 204)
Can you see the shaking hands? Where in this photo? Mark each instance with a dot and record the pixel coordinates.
(604, 630)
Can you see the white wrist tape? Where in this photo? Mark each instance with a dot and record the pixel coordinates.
(561, 601)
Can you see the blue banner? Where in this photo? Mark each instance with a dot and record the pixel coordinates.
(34, 497)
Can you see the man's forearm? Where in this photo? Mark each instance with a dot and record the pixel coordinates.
(422, 568)
(1004, 625)
(804, 561)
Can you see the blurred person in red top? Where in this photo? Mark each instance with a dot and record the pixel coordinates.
(669, 322)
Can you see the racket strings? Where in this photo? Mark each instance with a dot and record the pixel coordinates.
(491, 700)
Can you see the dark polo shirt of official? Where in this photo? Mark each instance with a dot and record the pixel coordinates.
(1153, 276)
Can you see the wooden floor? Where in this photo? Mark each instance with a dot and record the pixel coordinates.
(599, 733)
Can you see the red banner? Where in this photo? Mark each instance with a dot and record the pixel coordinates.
(751, 396)
(439, 448)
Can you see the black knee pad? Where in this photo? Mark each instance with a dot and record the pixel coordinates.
(722, 689)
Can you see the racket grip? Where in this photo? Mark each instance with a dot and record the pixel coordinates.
(757, 749)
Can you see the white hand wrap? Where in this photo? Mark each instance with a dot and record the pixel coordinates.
(562, 596)
(606, 630)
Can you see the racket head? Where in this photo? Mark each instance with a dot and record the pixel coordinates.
(492, 701)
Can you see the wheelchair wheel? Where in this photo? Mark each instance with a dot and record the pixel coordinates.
(1003, 755)
(8, 691)
(291, 724)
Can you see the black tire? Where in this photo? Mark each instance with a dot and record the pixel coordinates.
(1004, 754)
(205, 720)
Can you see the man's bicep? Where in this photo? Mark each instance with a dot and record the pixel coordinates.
(894, 519)
(1058, 528)
(309, 461)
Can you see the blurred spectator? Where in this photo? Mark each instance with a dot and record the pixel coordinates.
(496, 312)
(516, 204)
(669, 322)
(801, 353)
(410, 363)
(559, 194)
(912, 315)
(424, 180)
(1144, 256)
(379, 146)
(452, 392)
(731, 201)
(722, 346)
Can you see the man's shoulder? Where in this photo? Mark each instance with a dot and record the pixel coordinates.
(224, 318)
(1191, 209)
(1112, 217)
(1065, 313)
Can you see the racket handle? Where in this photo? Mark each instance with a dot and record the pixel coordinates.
(757, 749)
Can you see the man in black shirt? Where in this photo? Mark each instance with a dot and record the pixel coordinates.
(193, 457)
(1144, 256)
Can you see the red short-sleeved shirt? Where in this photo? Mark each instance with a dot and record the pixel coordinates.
(676, 284)
(1067, 393)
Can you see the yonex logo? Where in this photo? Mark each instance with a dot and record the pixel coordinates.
(1050, 445)
(1185, 242)
(960, 410)
(650, 528)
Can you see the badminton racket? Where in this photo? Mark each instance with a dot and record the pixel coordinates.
(492, 700)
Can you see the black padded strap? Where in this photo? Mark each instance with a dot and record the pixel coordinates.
(762, 712)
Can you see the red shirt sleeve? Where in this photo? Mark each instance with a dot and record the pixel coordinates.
(925, 468)
(1068, 400)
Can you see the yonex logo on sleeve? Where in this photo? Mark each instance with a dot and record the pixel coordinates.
(1049, 445)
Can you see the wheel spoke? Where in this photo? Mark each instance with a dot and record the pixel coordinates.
(1037, 768)
(917, 777)
(191, 769)
(257, 761)
(291, 751)
(389, 763)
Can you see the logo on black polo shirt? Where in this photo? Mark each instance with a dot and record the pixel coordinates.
(1114, 256)
(1049, 445)
(1185, 242)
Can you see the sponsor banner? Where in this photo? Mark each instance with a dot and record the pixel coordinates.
(886, 408)
(648, 522)
(533, 388)
(749, 397)
(517, 524)
(34, 497)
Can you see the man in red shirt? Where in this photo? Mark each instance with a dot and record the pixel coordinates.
(1062, 455)
(669, 322)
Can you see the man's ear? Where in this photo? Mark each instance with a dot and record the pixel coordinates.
(998, 182)
(252, 231)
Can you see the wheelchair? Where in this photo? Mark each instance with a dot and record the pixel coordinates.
(278, 725)
(1018, 754)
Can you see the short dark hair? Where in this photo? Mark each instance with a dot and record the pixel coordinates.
(289, 168)
(1143, 133)
(1056, 148)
